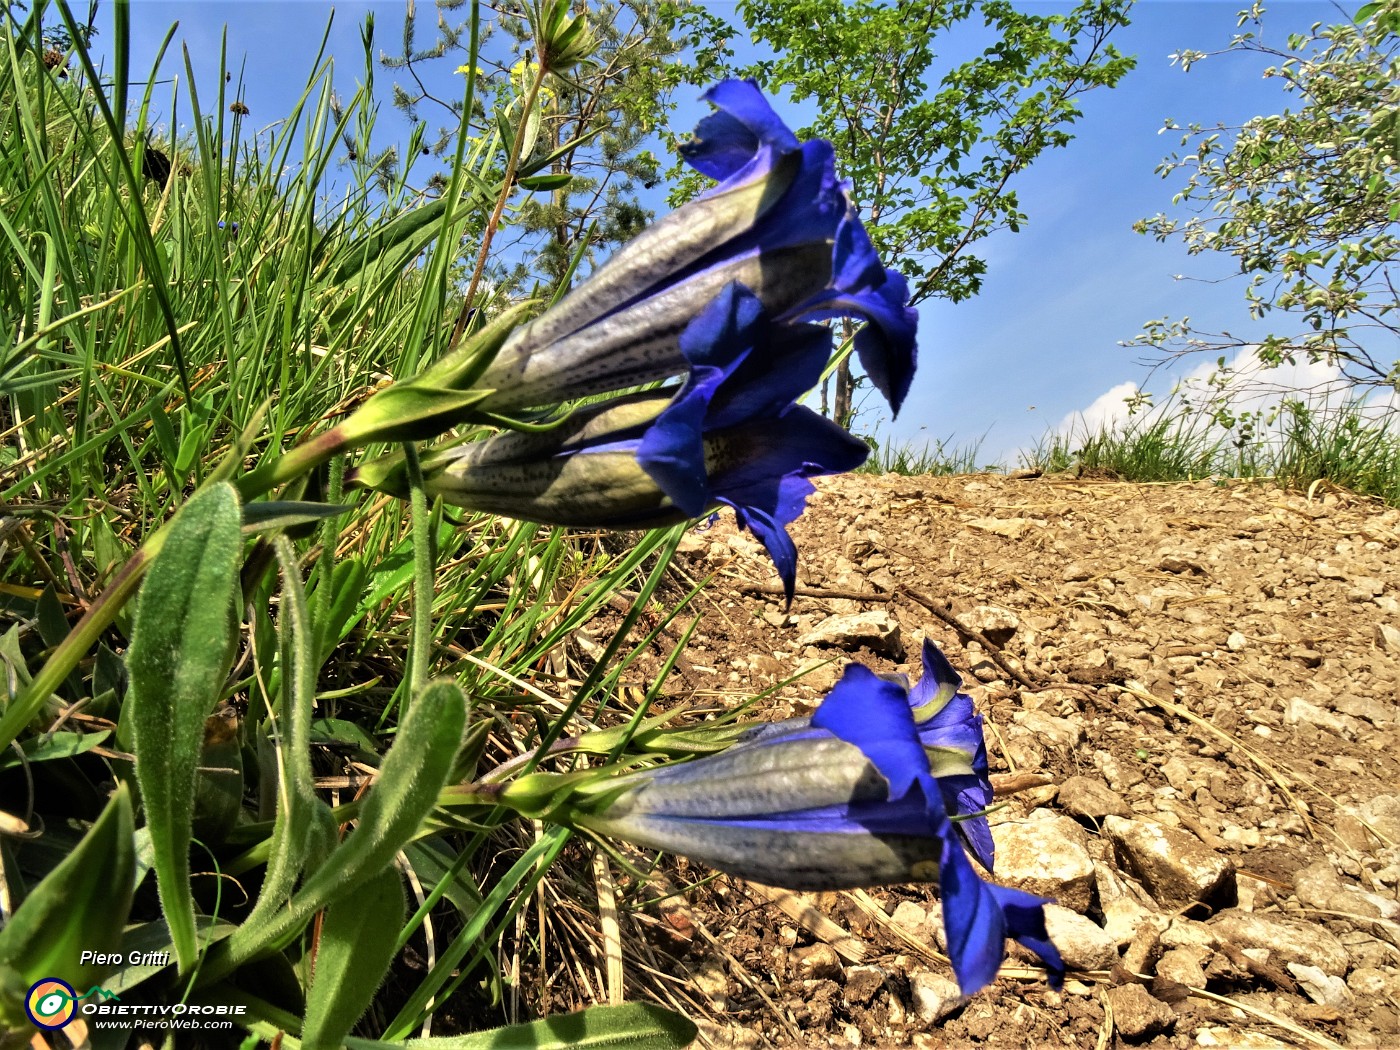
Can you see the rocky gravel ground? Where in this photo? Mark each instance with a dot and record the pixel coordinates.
(1193, 711)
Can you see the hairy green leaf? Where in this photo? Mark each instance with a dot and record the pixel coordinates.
(358, 938)
(181, 650)
(79, 906)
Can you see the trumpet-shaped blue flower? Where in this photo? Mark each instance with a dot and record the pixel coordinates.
(860, 794)
(779, 223)
(731, 435)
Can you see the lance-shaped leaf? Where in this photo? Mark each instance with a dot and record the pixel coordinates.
(414, 772)
(358, 938)
(181, 650)
(81, 905)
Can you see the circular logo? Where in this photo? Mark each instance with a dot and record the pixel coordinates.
(51, 1003)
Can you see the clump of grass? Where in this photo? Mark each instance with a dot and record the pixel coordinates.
(1352, 446)
(1162, 447)
(1349, 447)
(936, 457)
(162, 321)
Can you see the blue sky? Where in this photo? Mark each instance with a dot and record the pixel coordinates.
(1039, 346)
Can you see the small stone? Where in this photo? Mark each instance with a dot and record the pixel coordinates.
(1136, 1015)
(1322, 988)
(1092, 799)
(1298, 711)
(1144, 946)
(862, 982)
(1307, 657)
(1319, 886)
(1286, 941)
(1083, 944)
(712, 981)
(1057, 732)
(1330, 572)
(1236, 641)
(1370, 982)
(1047, 855)
(876, 629)
(935, 996)
(996, 624)
(1122, 918)
(1173, 866)
(1388, 638)
(1174, 563)
(910, 917)
(1183, 965)
(818, 962)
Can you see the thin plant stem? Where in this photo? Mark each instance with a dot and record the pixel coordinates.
(424, 573)
(507, 187)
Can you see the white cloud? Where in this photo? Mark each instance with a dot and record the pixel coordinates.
(1109, 409)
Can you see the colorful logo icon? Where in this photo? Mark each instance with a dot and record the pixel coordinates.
(51, 1003)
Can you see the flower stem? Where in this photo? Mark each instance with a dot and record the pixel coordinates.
(424, 559)
(507, 186)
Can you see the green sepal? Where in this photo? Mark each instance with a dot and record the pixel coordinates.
(439, 397)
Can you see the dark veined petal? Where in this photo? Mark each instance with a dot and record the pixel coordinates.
(743, 131)
(1025, 922)
(775, 539)
(973, 921)
(762, 468)
(978, 917)
(964, 794)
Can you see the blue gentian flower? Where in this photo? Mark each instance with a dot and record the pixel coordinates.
(779, 224)
(860, 794)
(950, 731)
(731, 435)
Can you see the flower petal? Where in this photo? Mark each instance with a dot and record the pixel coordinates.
(886, 345)
(973, 920)
(873, 714)
(743, 131)
(939, 684)
(744, 368)
(1025, 922)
